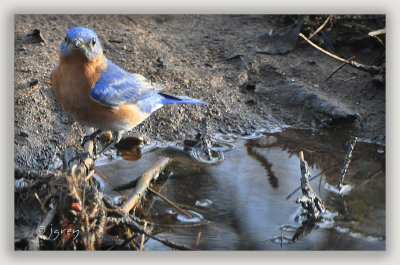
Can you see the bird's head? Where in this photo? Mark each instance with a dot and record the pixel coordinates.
(83, 40)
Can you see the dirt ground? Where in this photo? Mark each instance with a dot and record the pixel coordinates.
(205, 57)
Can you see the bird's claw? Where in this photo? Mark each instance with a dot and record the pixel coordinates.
(85, 155)
(86, 138)
(90, 137)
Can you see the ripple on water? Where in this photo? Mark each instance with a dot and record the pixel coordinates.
(215, 157)
(196, 217)
(282, 240)
(203, 203)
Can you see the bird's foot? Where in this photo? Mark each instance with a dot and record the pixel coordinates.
(90, 137)
(85, 155)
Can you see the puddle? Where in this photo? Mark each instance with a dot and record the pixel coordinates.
(248, 197)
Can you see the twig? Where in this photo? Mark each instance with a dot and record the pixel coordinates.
(82, 167)
(171, 203)
(109, 182)
(309, 201)
(32, 174)
(170, 244)
(347, 160)
(91, 173)
(377, 32)
(143, 184)
(351, 78)
(305, 228)
(367, 68)
(142, 242)
(321, 27)
(138, 220)
(109, 227)
(41, 178)
(340, 67)
(116, 210)
(137, 227)
(41, 203)
(316, 176)
(319, 185)
(100, 229)
(322, 50)
(123, 220)
(198, 240)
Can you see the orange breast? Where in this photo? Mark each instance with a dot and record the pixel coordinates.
(73, 79)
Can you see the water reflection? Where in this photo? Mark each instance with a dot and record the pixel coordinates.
(130, 148)
(273, 180)
(246, 195)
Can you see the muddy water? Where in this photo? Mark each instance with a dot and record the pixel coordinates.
(248, 197)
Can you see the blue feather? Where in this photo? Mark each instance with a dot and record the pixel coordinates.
(167, 99)
(117, 87)
(80, 32)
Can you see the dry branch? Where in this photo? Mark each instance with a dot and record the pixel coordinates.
(377, 32)
(143, 184)
(191, 225)
(319, 174)
(171, 203)
(340, 67)
(347, 160)
(40, 178)
(197, 240)
(372, 69)
(72, 159)
(136, 227)
(108, 181)
(309, 201)
(321, 27)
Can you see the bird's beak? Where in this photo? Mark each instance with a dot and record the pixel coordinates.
(78, 43)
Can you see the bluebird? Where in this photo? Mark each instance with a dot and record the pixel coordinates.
(100, 94)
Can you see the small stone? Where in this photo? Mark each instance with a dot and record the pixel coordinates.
(33, 82)
(23, 134)
(197, 118)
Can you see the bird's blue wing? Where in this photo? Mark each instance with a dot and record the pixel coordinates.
(117, 87)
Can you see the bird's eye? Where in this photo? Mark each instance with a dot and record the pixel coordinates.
(93, 41)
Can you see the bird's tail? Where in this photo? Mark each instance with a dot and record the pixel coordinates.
(167, 99)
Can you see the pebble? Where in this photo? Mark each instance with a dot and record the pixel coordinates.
(23, 134)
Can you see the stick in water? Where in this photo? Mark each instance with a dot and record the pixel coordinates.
(347, 160)
(143, 183)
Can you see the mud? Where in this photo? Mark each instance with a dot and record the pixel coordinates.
(204, 57)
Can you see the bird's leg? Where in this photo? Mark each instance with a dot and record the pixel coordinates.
(116, 138)
(91, 136)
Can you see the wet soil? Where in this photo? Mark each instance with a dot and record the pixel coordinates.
(205, 57)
